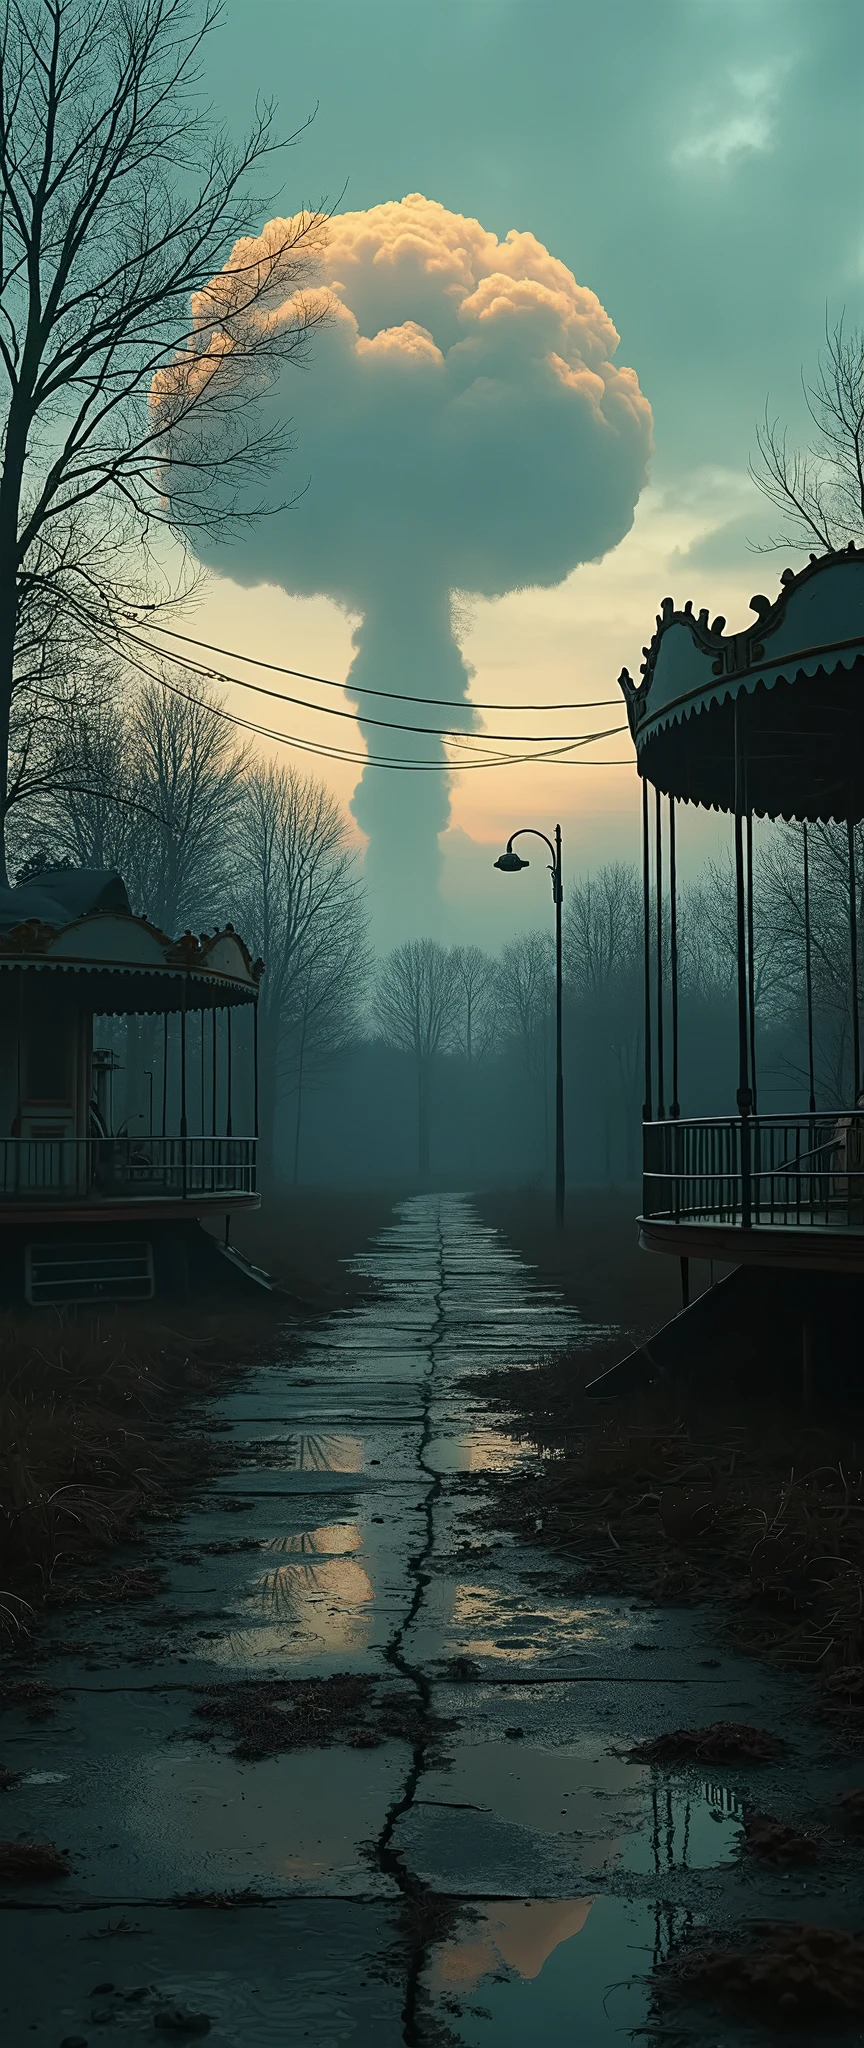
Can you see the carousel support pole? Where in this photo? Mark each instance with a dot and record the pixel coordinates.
(853, 959)
(165, 1075)
(184, 1127)
(229, 1121)
(658, 886)
(808, 974)
(255, 1085)
(674, 1109)
(646, 962)
(751, 959)
(213, 1015)
(744, 1096)
(213, 1100)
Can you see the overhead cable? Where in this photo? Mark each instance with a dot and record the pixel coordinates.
(361, 689)
(398, 764)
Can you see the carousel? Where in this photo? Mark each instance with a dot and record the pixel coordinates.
(94, 1204)
(765, 724)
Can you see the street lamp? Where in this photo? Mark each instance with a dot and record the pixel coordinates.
(510, 864)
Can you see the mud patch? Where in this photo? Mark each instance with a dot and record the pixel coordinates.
(779, 1843)
(273, 1715)
(724, 1742)
(31, 1862)
(785, 1972)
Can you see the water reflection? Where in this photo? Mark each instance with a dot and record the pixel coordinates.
(521, 1934)
(562, 1970)
(332, 1539)
(290, 1587)
(312, 1451)
(486, 1621)
(478, 1450)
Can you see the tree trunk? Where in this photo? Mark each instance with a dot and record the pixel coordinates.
(8, 626)
(422, 1120)
(267, 1061)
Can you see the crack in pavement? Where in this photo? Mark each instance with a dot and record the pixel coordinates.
(390, 1861)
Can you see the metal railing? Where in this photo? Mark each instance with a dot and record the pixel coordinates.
(742, 1170)
(123, 1169)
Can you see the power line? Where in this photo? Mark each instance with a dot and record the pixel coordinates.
(325, 711)
(362, 690)
(397, 764)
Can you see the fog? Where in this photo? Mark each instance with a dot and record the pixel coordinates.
(434, 1062)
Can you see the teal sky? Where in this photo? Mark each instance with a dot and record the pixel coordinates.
(697, 163)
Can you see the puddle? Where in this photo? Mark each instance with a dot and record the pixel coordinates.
(612, 1811)
(480, 1450)
(304, 1818)
(332, 1539)
(488, 1621)
(310, 1451)
(569, 1970)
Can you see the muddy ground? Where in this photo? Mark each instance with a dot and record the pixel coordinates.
(366, 1766)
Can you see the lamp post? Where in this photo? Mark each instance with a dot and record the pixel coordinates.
(510, 864)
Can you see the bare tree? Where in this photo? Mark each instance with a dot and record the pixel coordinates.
(416, 1007)
(476, 978)
(819, 489)
(603, 954)
(184, 785)
(708, 937)
(526, 996)
(120, 329)
(830, 946)
(300, 905)
(148, 785)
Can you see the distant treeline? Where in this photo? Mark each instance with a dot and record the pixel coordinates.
(436, 1059)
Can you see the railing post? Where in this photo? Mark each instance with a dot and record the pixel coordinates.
(746, 1174)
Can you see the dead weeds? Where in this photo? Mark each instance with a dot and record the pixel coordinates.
(674, 1498)
(86, 1452)
(38, 1698)
(31, 1862)
(784, 1972)
(267, 1717)
(723, 1742)
(779, 1843)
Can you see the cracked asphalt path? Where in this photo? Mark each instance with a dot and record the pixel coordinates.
(504, 1876)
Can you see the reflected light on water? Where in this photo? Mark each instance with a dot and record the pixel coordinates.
(486, 1450)
(481, 1617)
(332, 1539)
(521, 1935)
(292, 1586)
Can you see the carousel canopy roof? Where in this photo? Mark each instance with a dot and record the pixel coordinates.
(78, 922)
(792, 683)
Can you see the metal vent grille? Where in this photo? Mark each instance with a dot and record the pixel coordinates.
(121, 1270)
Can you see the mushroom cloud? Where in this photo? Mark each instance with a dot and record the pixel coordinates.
(465, 429)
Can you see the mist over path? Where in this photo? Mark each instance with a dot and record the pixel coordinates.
(352, 1538)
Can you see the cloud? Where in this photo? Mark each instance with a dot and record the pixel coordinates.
(464, 428)
(747, 125)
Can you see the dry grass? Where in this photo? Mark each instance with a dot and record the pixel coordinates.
(85, 1446)
(595, 1259)
(673, 1498)
(783, 1972)
(304, 1238)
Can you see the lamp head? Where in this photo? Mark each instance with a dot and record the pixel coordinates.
(510, 863)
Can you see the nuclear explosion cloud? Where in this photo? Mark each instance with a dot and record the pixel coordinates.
(464, 428)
